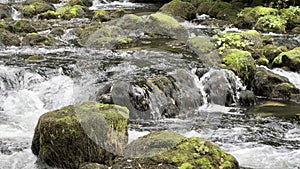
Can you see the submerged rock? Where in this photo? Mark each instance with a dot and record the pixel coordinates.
(88, 132)
(162, 25)
(169, 150)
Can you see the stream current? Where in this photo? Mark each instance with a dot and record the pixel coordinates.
(70, 75)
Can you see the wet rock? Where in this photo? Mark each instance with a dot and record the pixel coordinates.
(179, 152)
(162, 25)
(205, 50)
(221, 87)
(5, 11)
(284, 91)
(158, 97)
(271, 85)
(9, 39)
(33, 39)
(179, 8)
(247, 98)
(23, 26)
(290, 59)
(271, 23)
(76, 134)
(241, 63)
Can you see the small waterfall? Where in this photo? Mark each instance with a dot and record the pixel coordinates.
(16, 15)
(293, 77)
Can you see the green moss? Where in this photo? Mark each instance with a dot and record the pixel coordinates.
(271, 23)
(204, 163)
(37, 7)
(242, 63)
(101, 15)
(186, 166)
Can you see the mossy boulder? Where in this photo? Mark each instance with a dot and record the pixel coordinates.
(248, 17)
(23, 26)
(33, 39)
(271, 23)
(76, 134)
(31, 8)
(101, 15)
(290, 59)
(179, 8)
(5, 11)
(271, 85)
(65, 12)
(218, 9)
(271, 51)
(247, 98)
(251, 41)
(241, 63)
(284, 91)
(162, 25)
(115, 34)
(205, 49)
(179, 152)
(87, 3)
(9, 39)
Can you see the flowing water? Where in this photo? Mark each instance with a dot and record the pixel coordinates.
(69, 75)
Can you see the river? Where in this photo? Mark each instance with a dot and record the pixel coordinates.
(69, 75)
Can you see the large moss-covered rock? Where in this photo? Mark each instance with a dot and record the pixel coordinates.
(118, 33)
(23, 26)
(271, 23)
(241, 63)
(33, 39)
(218, 9)
(87, 3)
(271, 51)
(5, 11)
(250, 15)
(9, 39)
(179, 8)
(271, 85)
(290, 59)
(205, 49)
(101, 15)
(65, 12)
(87, 132)
(169, 150)
(162, 25)
(251, 41)
(31, 8)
